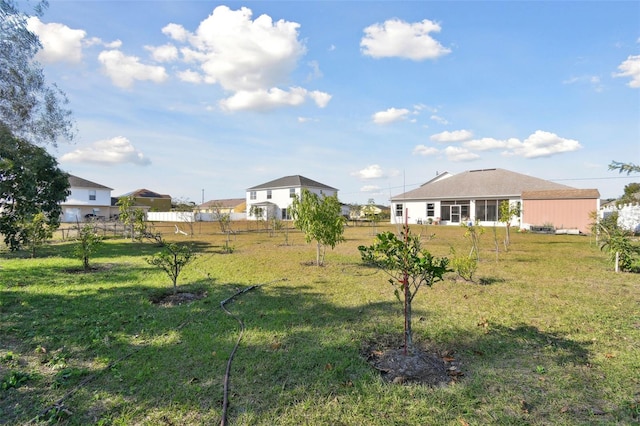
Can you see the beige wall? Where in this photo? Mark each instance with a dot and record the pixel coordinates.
(562, 214)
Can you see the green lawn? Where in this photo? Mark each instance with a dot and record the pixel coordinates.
(550, 337)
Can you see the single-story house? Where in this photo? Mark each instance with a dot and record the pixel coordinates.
(369, 211)
(235, 207)
(273, 199)
(154, 201)
(88, 200)
(228, 205)
(475, 196)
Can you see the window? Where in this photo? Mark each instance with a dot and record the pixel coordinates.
(292, 193)
(454, 210)
(285, 214)
(268, 194)
(431, 209)
(488, 210)
(399, 210)
(92, 194)
(252, 195)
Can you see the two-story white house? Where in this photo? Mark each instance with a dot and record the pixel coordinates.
(87, 200)
(273, 199)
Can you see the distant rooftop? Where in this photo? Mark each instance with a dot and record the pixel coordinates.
(292, 181)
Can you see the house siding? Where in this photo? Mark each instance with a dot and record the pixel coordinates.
(562, 214)
(281, 196)
(79, 202)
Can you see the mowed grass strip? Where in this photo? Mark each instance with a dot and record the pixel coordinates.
(547, 334)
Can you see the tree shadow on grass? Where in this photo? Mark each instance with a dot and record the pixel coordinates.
(298, 346)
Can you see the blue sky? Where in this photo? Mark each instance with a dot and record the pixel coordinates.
(373, 98)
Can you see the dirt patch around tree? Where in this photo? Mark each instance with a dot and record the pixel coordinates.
(180, 298)
(421, 365)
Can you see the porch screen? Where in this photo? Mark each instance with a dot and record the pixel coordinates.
(454, 210)
(488, 210)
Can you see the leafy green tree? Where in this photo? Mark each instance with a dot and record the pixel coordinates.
(132, 216)
(506, 214)
(631, 194)
(87, 242)
(627, 168)
(320, 219)
(30, 183)
(409, 266)
(172, 259)
(29, 107)
(37, 232)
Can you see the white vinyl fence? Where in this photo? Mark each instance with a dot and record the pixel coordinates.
(187, 217)
(628, 216)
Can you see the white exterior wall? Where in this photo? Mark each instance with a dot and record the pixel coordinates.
(281, 197)
(80, 197)
(78, 204)
(418, 213)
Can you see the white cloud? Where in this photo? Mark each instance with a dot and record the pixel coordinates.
(59, 42)
(190, 76)
(118, 150)
(320, 98)
(455, 136)
(315, 70)
(263, 100)
(424, 150)
(390, 115)
(396, 38)
(370, 188)
(592, 80)
(487, 144)
(176, 32)
(306, 119)
(542, 144)
(456, 153)
(439, 119)
(239, 53)
(164, 53)
(124, 70)
(373, 171)
(630, 68)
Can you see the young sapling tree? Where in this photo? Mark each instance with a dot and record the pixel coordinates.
(409, 266)
(172, 259)
(88, 242)
(37, 231)
(320, 220)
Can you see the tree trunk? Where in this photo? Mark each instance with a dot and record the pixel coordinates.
(408, 335)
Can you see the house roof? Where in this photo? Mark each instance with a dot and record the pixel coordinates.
(144, 193)
(292, 181)
(78, 182)
(561, 194)
(226, 203)
(480, 184)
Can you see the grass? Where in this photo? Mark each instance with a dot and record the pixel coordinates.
(548, 335)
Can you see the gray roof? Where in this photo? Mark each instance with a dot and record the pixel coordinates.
(226, 203)
(292, 181)
(144, 193)
(485, 183)
(78, 182)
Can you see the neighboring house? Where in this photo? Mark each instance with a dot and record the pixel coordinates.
(235, 207)
(370, 210)
(87, 200)
(273, 199)
(152, 200)
(229, 205)
(475, 196)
